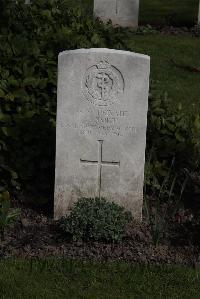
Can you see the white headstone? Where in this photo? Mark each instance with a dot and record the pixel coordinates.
(121, 12)
(101, 127)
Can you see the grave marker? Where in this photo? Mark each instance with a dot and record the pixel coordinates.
(121, 12)
(101, 127)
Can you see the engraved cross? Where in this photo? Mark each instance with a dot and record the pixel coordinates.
(99, 164)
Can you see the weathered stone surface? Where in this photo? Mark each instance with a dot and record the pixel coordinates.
(101, 127)
(121, 12)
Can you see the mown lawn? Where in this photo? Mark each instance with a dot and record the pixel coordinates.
(181, 85)
(158, 12)
(68, 279)
(163, 12)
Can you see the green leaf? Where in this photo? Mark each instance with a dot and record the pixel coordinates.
(4, 117)
(95, 39)
(46, 13)
(7, 131)
(179, 137)
(197, 122)
(14, 175)
(13, 82)
(5, 195)
(31, 81)
(2, 93)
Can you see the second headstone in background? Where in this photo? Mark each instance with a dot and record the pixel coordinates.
(121, 12)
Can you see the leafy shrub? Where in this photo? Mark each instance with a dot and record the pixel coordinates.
(31, 36)
(7, 215)
(32, 147)
(96, 219)
(173, 147)
(171, 135)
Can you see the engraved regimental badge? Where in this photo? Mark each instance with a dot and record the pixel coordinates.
(103, 84)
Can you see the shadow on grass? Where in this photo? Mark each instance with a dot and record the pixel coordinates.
(60, 278)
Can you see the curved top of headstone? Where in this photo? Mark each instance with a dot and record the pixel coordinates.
(104, 50)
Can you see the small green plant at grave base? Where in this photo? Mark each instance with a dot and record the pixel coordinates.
(96, 219)
(7, 215)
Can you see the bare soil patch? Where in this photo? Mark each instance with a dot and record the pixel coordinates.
(37, 235)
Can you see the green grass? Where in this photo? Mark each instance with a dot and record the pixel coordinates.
(181, 85)
(171, 12)
(67, 279)
(158, 12)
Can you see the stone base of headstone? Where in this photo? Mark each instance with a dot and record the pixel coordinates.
(123, 13)
(101, 128)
